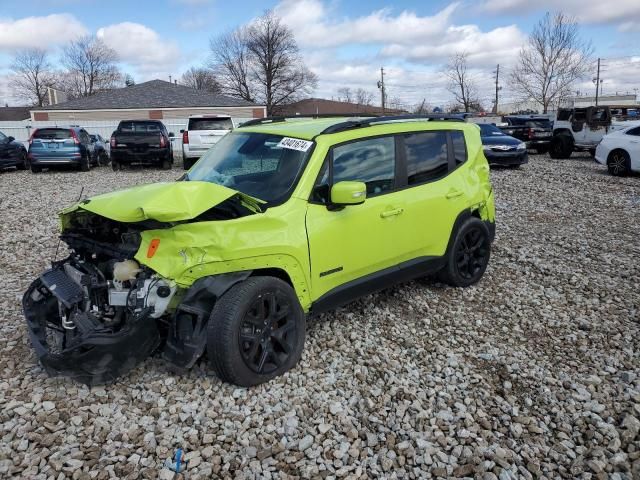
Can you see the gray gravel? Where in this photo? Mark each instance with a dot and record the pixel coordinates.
(533, 373)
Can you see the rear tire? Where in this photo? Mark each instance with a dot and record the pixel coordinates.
(469, 254)
(116, 165)
(24, 164)
(619, 163)
(85, 164)
(103, 158)
(35, 169)
(166, 164)
(561, 147)
(187, 163)
(256, 331)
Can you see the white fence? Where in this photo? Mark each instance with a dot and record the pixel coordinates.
(21, 130)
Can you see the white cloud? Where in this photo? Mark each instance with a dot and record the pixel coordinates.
(141, 48)
(623, 13)
(308, 20)
(413, 48)
(39, 32)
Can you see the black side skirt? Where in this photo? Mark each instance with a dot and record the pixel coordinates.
(377, 281)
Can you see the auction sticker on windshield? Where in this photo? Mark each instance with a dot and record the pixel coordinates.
(295, 144)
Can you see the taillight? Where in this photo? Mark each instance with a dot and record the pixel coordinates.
(112, 141)
(163, 142)
(32, 135)
(185, 137)
(531, 133)
(76, 140)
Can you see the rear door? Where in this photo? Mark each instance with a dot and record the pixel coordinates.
(633, 146)
(436, 189)
(206, 131)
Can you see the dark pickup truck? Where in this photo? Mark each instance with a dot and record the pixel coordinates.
(142, 142)
(535, 131)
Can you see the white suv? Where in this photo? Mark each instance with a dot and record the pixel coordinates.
(202, 132)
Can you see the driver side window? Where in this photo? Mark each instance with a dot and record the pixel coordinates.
(372, 161)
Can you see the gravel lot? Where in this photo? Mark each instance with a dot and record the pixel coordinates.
(533, 373)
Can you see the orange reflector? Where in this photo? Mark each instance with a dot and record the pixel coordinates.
(153, 246)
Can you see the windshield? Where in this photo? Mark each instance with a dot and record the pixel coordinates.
(144, 127)
(53, 134)
(210, 124)
(253, 163)
(487, 130)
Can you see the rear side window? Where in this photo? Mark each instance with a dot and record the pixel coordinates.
(427, 156)
(459, 147)
(141, 127)
(371, 161)
(546, 124)
(634, 131)
(210, 124)
(53, 134)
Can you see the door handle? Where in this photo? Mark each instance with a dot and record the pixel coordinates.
(391, 213)
(454, 194)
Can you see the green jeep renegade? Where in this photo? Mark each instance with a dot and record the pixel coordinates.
(280, 219)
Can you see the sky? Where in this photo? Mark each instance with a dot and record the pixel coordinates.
(345, 42)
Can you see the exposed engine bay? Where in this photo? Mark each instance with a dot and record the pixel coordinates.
(98, 313)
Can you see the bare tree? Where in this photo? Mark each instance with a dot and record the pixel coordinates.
(201, 79)
(261, 63)
(232, 64)
(553, 59)
(91, 66)
(363, 97)
(32, 74)
(462, 84)
(344, 95)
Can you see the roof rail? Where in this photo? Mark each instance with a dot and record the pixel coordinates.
(284, 118)
(350, 124)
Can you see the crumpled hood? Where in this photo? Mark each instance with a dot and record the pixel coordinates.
(164, 202)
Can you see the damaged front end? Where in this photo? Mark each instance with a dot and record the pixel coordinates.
(98, 313)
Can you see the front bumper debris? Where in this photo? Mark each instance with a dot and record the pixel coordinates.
(91, 352)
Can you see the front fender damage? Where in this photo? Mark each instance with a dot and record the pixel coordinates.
(187, 335)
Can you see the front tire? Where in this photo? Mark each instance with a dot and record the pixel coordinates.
(469, 254)
(619, 163)
(561, 147)
(256, 331)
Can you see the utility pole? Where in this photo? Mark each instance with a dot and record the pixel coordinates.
(597, 82)
(497, 86)
(381, 87)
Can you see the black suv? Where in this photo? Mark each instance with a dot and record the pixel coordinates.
(535, 131)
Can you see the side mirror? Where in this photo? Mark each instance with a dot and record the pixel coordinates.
(10, 138)
(182, 130)
(171, 135)
(348, 193)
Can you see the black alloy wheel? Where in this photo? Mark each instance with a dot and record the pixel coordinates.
(267, 334)
(468, 254)
(471, 254)
(256, 331)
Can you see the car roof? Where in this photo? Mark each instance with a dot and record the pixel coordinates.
(209, 115)
(309, 128)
